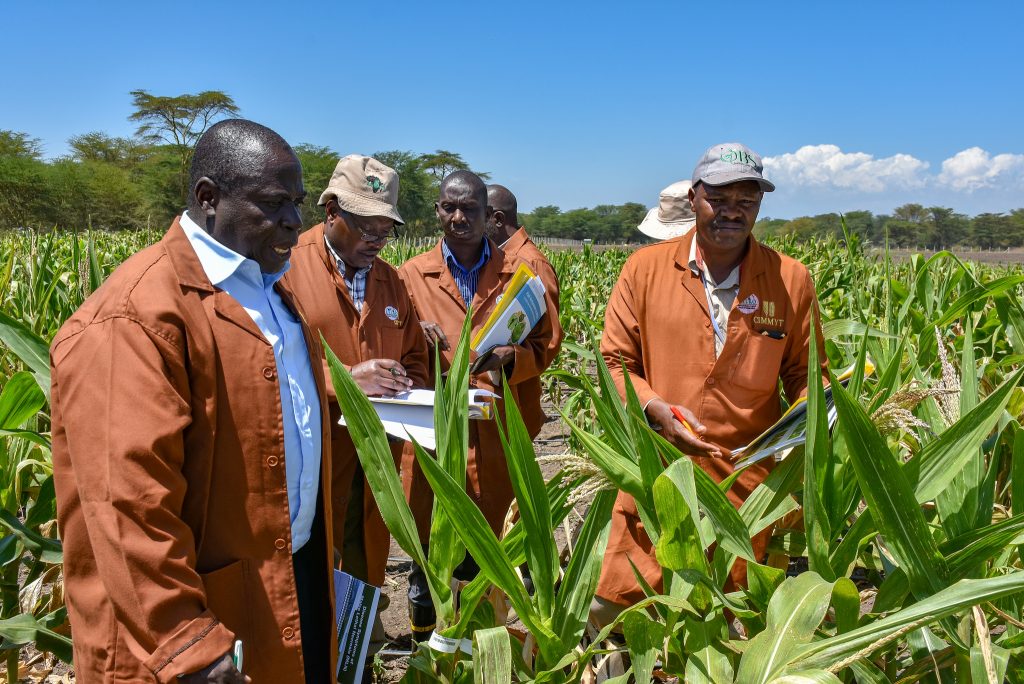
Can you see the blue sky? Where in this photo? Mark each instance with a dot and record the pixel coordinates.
(854, 105)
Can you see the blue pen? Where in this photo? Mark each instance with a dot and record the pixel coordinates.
(236, 655)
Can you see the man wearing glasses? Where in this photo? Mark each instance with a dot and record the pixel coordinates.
(360, 305)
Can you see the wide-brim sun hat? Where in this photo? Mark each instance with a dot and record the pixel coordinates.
(365, 187)
(673, 216)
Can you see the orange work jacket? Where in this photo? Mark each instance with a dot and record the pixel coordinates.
(169, 466)
(387, 328)
(436, 298)
(658, 329)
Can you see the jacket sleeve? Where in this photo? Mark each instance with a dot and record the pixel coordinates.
(122, 395)
(621, 344)
(794, 365)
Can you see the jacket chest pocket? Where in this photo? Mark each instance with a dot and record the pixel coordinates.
(389, 341)
(758, 365)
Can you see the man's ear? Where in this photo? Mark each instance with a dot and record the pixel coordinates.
(332, 209)
(499, 217)
(207, 196)
(437, 210)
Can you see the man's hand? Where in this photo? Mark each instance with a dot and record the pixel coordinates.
(659, 413)
(435, 336)
(499, 358)
(221, 671)
(381, 377)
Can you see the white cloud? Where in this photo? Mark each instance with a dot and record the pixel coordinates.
(824, 178)
(827, 165)
(974, 169)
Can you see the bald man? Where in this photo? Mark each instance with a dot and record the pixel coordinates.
(191, 444)
(465, 269)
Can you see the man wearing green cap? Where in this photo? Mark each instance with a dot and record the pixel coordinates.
(705, 324)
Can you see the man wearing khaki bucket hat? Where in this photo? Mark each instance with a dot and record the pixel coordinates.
(360, 305)
(674, 214)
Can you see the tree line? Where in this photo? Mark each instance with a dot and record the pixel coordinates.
(912, 225)
(113, 183)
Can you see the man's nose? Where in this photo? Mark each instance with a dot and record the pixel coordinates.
(458, 216)
(292, 218)
(731, 210)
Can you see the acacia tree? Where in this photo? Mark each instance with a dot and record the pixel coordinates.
(440, 163)
(179, 121)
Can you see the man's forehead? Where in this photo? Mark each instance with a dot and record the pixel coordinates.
(459, 191)
(746, 188)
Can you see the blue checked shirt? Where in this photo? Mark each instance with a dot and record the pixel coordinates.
(300, 403)
(467, 280)
(357, 285)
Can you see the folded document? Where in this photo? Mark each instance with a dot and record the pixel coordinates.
(410, 415)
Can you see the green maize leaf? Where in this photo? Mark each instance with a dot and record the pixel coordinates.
(949, 601)
(45, 549)
(378, 464)
(794, 613)
(492, 656)
(845, 327)
(817, 453)
(20, 400)
(762, 581)
(867, 672)
(966, 300)
(572, 605)
(1017, 478)
(889, 497)
(514, 545)
(707, 660)
(808, 677)
(935, 466)
(644, 637)
(680, 547)
(623, 473)
(451, 418)
(979, 669)
(611, 412)
(767, 496)
(888, 378)
(980, 546)
(845, 553)
(476, 534)
(95, 271)
(26, 629)
(845, 604)
(44, 507)
(28, 347)
(526, 478)
(731, 529)
(648, 458)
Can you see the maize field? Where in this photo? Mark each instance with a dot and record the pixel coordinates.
(917, 493)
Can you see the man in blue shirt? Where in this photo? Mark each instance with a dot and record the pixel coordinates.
(189, 442)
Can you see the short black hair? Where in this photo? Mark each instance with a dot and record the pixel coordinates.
(476, 185)
(232, 153)
(501, 199)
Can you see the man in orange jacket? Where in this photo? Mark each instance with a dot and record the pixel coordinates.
(708, 323)
(357, 301)
(191, 454)
(466, 269)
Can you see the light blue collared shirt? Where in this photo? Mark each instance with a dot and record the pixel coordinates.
(300, 403)
(466, 279)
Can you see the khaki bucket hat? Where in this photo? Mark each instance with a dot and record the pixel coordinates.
(364, 187)
(673, 216)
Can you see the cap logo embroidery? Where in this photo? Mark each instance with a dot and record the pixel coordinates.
(738, 157)
(392, 313)
(376, 184)
(748, 305)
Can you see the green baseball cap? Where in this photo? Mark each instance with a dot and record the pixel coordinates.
(730, 163)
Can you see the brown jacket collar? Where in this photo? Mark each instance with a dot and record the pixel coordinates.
(753, 263)
(183, 259)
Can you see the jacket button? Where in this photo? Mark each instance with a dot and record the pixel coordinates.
(711, 381)
(269, 373)
(280, 544)
(272, 461)
(287, 632)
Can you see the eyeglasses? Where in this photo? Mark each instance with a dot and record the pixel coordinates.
(370, 238)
